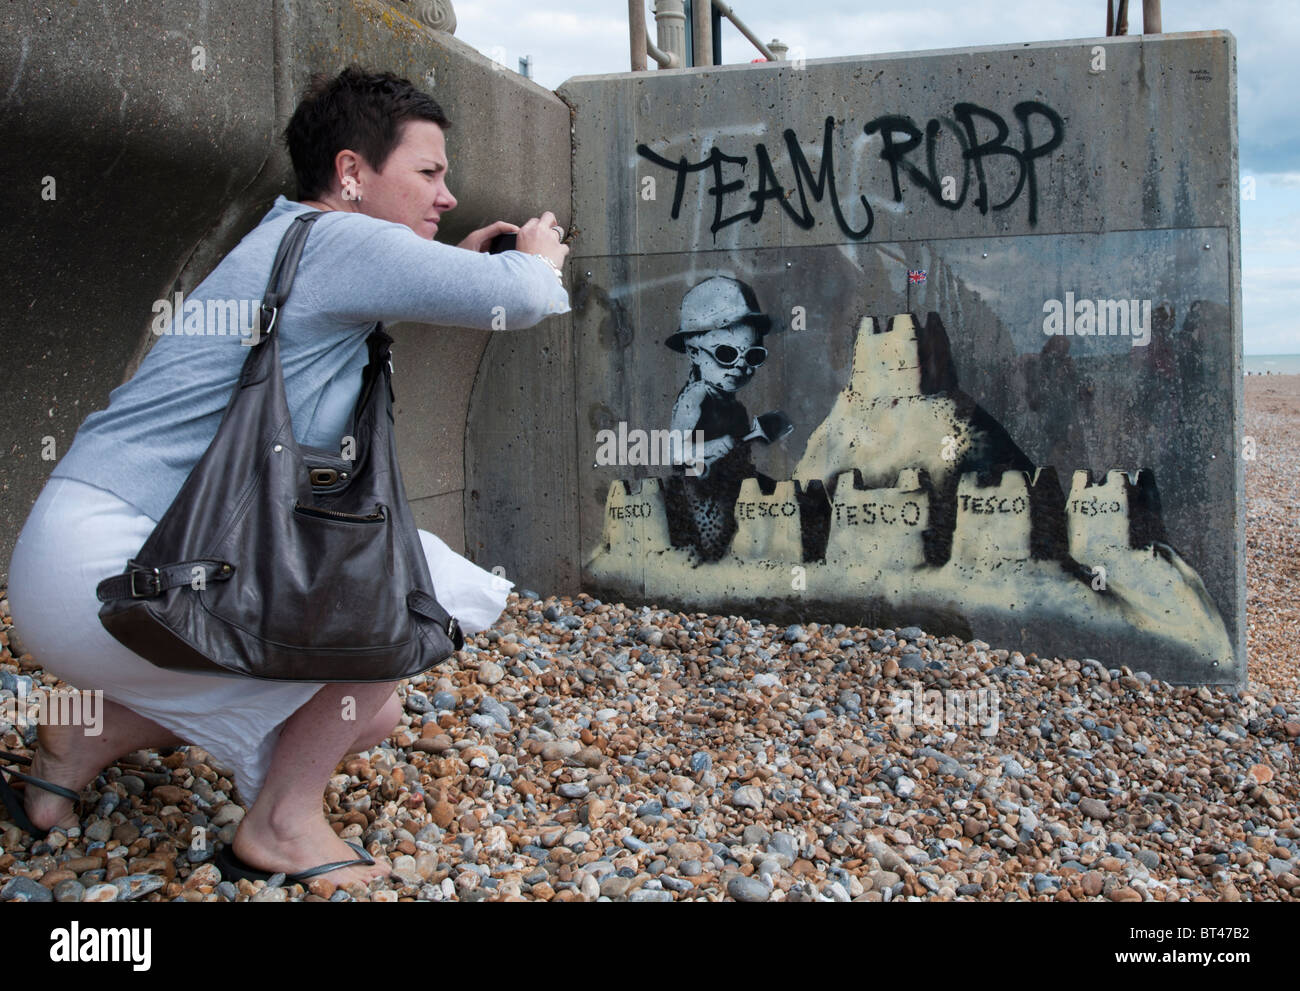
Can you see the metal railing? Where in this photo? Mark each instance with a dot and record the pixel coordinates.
(670, 21)
(1117, 20)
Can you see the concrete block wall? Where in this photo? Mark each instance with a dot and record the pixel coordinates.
(972, 194)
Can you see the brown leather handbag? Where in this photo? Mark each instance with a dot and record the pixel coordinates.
(281, 561)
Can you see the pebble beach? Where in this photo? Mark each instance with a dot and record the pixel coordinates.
(591, 751)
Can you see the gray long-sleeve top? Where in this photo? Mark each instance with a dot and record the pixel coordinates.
(354, 270)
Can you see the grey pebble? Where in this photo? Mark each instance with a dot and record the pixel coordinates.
(134, 886)
(1012, 768)
(490, 706)
(200, 854)
(418, 703)
(755, 836)
(1277, 867)
(1046, 882)
(644, 894)
(748, 889)
(27, 890)
(108, 804)
(133, 784)
(70, 890)
(783, 844)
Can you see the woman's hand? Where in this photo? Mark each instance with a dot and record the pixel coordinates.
(480, 239)
(537, 237)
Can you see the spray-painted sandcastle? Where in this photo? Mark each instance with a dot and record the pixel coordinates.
(911, 505)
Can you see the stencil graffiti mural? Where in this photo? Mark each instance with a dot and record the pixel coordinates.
(908, 496)
(721, 330)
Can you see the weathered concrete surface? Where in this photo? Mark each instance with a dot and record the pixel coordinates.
(144, 158)
(521, 459)
(1132, 133)
(693, 173)
(161, 166)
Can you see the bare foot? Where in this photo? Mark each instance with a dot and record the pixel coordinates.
(299, 847)
(59, 759)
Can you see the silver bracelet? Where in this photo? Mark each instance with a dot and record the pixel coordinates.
(559, 276)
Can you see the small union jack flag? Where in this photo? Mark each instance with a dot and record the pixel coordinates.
(915, 277)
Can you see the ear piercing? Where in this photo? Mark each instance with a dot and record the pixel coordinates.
(350, 190)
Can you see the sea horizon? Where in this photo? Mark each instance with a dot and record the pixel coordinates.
(1272, 364)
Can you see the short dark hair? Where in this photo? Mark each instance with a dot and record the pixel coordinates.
(361, 110)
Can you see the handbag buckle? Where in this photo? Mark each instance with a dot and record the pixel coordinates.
(454, 634)
(324, 476)
(155, 584)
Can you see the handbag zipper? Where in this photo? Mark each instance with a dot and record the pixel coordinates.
(335, 515)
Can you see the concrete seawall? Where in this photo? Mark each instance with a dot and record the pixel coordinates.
(1066, 247)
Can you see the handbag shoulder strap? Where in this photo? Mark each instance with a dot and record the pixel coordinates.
(285, 266)
(283, 270)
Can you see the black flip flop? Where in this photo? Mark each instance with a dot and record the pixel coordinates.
(13, 800)
(234, 869)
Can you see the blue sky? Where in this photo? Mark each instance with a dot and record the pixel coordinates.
(584, 37)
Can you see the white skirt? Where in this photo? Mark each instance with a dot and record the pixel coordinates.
(77, 534)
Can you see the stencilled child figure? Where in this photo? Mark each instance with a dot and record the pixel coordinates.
(721, 330)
